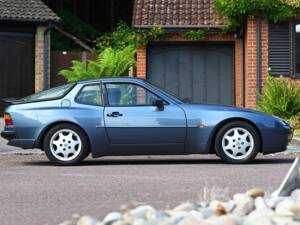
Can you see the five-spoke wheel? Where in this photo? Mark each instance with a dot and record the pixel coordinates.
(66, 144)
(237, 142)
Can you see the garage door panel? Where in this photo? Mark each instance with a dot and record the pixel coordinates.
(184, 74)
(16, 65)
(201, 73)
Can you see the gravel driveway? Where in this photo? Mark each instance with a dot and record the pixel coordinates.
(34, 192)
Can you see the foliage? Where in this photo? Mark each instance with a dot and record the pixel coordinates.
(293, 3)
(237, 11)
(294, 122)
(280, 97)
(297, 133)
(72, 24)
(196, 35)
(126, 36)
(109, 63)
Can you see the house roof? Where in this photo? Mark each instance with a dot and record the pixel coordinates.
(176, 14)
(26, 10)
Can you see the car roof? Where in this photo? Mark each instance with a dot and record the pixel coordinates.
(115, 79)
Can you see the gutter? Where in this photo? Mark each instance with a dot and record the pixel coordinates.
(258, 67)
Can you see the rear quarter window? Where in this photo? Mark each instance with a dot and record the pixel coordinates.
(90, 95)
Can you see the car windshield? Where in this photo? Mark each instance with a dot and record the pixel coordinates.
(175, 98)
(56, 92)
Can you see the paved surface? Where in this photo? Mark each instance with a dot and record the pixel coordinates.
(34, 192)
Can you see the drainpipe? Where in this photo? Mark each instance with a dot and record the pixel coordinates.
(257, 58)
(46, 57)
(242, 74)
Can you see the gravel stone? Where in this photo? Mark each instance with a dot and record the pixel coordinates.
(255, 192)
(112, 217)
(244, 204)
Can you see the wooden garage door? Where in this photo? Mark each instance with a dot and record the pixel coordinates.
(202, 73)
(16, 65)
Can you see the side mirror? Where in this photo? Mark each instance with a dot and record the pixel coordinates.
(159, 103)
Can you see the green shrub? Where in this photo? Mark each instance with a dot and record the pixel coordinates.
(125, 35)
(109, 63)
(196, 35)
(280, 97)
(237, 11)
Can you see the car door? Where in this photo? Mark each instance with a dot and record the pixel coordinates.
(135, 126)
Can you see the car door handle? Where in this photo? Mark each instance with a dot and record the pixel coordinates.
(114, 114)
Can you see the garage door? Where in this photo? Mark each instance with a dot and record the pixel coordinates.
(16, 65)
(201, 73)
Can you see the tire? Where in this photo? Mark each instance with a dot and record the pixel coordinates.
(237, 142)
(66, 145)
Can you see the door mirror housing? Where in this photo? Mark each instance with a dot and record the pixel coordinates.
(159, 103)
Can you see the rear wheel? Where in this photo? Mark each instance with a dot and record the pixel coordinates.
(237, 142)
(66, 144)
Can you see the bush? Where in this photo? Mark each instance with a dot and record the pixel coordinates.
(109, 63)
(280, 97)
(125, 35)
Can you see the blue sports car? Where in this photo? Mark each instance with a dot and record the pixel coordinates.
(129, 116)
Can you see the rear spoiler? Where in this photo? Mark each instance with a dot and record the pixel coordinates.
(11, 101)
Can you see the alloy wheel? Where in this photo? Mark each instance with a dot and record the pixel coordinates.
(238, 143)
(65, 145)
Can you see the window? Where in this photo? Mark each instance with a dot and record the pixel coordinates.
(279, 49)
(52, 93)
(126, 94)
(297, 48)
(90, 95)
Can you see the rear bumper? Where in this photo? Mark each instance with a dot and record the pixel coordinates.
(22, 143)
(8, 134)
(13, 140)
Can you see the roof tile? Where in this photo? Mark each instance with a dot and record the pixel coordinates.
(26, 10)
(176, 13)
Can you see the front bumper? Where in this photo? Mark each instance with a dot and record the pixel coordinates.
(8, 134)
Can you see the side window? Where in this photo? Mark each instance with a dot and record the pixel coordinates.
(90, 95)
(126, 94)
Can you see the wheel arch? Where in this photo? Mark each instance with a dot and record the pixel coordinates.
(40, 139)
(222, 123)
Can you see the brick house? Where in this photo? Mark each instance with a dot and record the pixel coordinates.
(24, 47)
(223, 68)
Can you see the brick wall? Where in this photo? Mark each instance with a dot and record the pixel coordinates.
(250, 49)
(39, 58)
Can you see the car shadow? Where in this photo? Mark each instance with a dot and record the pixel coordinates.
(164, 161)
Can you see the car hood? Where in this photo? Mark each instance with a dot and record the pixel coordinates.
(209, 107)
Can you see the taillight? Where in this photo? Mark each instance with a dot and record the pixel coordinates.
(8, 119)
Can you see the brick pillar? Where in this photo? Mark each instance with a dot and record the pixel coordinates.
(264, 32)
(250, 64)
(141, 62)
(39, 58)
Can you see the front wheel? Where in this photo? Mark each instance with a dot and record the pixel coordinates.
(66, 144)
(237, 142)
